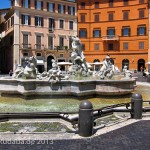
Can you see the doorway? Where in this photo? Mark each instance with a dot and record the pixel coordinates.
(49, 62)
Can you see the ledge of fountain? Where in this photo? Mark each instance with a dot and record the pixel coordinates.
(67, 87)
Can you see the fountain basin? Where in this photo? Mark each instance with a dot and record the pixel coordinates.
(69, 88)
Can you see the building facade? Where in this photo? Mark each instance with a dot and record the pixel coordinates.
(40, 28)
(115, 27)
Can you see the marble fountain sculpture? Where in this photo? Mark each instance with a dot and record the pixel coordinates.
(28, 81)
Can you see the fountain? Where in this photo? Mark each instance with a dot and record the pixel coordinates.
(28, 81)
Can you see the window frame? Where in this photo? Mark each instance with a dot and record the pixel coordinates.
(125, 46)
(141, 45)
(63, 23)
(144, 31)
(99, 34)
(129, 31)
(96, 46)
(70, 25)
(83, 31)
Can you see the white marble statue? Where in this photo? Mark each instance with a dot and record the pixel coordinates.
(126, 72)
(107, 70)
(54, 75)
(78, 56)
(29, 72)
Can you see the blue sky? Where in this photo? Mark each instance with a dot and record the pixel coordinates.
(4, 4)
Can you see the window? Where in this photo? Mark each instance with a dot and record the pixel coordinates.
(141, 30)
(110, 31)
(96, 33)
(71, 10)
(51, 7)
(110, 3)
(61, 9)
(83, 33)
(110, 46)
(25, 3)
(61, 41)
(26, 20)
(82, 5)
(82, 17)
(50, 42)
(111, 16)
(25, 54)
(38, 5)
(141, 13)
(25, 41)
(125, 46)
(125, 2)
(126, 15)
(126, 31)
(51, 23)
(96, 17)
(141, 1)
(96, 46)
(38, 42)
(61, 24)
(38, 21)
(71, 25)
(61, 55)
(96, 4)
(141, 45)
(38, 54)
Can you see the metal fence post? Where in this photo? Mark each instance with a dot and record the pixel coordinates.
(85, 123)
(136, 106)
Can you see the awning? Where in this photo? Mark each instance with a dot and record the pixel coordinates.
(40, 62)
(64, 63)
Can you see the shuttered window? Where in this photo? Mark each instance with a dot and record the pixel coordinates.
(141, 30)
(26, 19)
(39, 21)
(96, 17)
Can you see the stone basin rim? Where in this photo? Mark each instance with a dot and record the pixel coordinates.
(69, 87)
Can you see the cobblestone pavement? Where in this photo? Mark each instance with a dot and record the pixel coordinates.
(135, 136)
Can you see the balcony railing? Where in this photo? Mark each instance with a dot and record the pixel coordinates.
(61, 48)
(51, 47)
(51, 29)
(39, 46)
(110, 37)
(26, 46)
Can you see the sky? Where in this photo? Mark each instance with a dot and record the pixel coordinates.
(4, 4)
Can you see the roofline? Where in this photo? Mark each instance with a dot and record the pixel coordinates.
(5, 9)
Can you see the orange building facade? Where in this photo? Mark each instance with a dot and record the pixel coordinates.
(115, 27)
